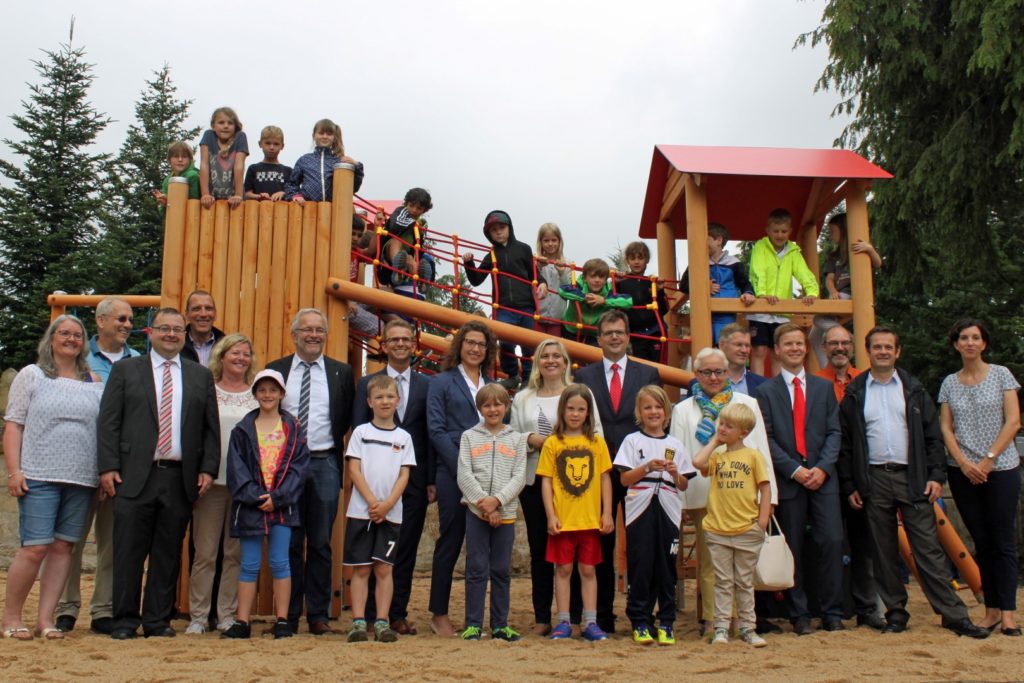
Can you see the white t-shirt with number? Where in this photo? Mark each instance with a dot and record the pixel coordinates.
(382, 454)
(636, 450)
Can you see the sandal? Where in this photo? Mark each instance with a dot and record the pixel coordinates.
(17, 633)
(50, 633)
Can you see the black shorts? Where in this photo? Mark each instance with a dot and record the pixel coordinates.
(366, 542)
(762, 333)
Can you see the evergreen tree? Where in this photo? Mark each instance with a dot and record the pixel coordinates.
(936, 92)
(49, 204)
(131, 247)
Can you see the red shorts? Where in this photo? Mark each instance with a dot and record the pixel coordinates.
(567, 546)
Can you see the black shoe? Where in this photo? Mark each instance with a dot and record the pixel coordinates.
(241, 629)
(282, 629)
(871, 621)
(802, 626)
(161, 632)
(104, 626)
(122, 633)
(65, 623)
(764, 626)
(894, 627)
(1015, 631)
(965, 627)
(832, 625)
(607, 625)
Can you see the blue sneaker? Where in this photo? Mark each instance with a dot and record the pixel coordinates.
(562, 631)
(593, 632)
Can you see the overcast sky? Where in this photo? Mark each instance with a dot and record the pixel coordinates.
(548, 110)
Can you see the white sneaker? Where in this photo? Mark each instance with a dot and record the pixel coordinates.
(721, 637)
(750, 637)
(226, 624)
(196, 628)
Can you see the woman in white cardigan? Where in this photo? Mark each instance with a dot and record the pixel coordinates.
(534, 412)
(694, 422)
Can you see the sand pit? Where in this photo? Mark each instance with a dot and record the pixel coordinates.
(925, 652)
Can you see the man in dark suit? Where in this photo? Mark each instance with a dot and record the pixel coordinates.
(734, 341)
(158, 451)
(319, 395)
(620, 377)
(801, 417)
(400, 347)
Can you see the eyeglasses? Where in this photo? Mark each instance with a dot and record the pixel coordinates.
(318, 331)
(473, 344)
(121, 318)
(167, 329)
(64, 334)
(711, 373)
(399, 340)
(614, 333)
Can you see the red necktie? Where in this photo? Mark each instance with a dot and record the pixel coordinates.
(799, 413)
(615, 388)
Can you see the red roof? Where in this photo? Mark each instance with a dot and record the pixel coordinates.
(744, 184)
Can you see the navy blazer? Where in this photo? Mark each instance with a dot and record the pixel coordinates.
(754, 380)
(451, 410)
(415, 423)
(617, 424)
(822, 433)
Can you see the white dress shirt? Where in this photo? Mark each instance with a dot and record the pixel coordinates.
(788, 376)
(608, 371)
(158, 382)
(318, 425)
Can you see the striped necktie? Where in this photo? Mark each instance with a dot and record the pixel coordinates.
(166, 431)
(304, 397)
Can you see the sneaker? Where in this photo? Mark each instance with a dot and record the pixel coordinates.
(239, 629)
(665, 636)
(510, 383)
(425, 269)
(282, 629)
(642, 635)
(196, 628)
(226, 624)
(750, 637)
(721, 637)
(561, 631)
(506, 633)
(593, 633)
(471, 633)
(383, 633)
(358, 632)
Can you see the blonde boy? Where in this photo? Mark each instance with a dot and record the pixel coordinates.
(266, 179)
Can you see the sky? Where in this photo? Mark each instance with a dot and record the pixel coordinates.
(548, 110)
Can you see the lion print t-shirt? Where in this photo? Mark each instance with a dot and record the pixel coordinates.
(575, 465)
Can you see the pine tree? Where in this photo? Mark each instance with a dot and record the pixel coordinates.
(131, 247)
(50, 204)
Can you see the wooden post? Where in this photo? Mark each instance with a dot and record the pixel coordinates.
(700, 271)
(667, 271)
(861, 285)
(809, 248)
(174, 238)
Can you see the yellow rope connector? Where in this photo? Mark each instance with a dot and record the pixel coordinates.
(536, 317)
(663, 339)
(376, 262)
(534, 282)
(496, 306)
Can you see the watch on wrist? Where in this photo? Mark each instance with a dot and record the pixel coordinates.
(990, 455)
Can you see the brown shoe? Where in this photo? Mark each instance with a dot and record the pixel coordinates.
(403, 627)
(541, 629)
(321, 628)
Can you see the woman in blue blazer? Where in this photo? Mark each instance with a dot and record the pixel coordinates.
(451, 410)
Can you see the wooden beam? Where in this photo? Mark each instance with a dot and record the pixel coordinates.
(674, 189)
(174, 236)
(784, 307)
(700, 270)
(862, 286)
(667, 271)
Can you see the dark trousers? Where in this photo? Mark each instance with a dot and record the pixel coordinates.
(309, 553)
(414, 514)
(890, 493)
(510, 363)
(606, 570)
(652, 542)
(862, 576)
(152, 524)
(542, 572)
(452, 532)
(990, 512)
(820, 511)
(488, 555)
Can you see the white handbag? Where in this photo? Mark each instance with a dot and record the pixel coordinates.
(775, 568)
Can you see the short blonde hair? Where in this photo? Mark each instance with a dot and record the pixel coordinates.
(659, 395)
(272, 133)
(381, 382)
(492, 392)
(739, 415)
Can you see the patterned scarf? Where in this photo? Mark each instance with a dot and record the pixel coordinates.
(710, 407)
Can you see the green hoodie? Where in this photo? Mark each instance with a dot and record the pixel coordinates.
(576, 296)
(191, 174)
(772, 276)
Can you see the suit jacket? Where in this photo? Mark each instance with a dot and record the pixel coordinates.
(128, 425)
(451, 410)
(617, 424)
(754, 380)
(340, 387)
(822, 433)
(415, 422)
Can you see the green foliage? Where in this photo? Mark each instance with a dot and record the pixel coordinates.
(50, 204)
(936, 91)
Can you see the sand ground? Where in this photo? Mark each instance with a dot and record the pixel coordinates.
(926, 652)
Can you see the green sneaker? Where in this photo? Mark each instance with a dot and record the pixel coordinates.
(665, 636)
(642, 635)
(383, 633)
(506, 633)
(358, 632)
(471, 633)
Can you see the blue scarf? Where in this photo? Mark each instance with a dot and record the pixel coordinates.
(710, 407)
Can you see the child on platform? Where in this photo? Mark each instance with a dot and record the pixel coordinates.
(552, 273)
(654, 467)
(576, 486)
(728, 278)
(379, 456)
(181, 161)
(588, 299)
(266, 180)
(312, 177)
(399, 249)
(222, 152)
(643, 320)
(739, 508)
(267, 460)
(491, 473)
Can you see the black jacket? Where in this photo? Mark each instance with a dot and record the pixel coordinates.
(642, 320)
(926, 456)
(514, 258)
(189, 350)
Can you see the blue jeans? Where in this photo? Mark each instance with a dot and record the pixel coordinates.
(509, 363)
(278, 542)
(488, 555)
(53, 510)
(318, 506)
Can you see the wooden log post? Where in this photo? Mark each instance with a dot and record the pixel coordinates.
(667, 272)
(700, 271)
(862, 286)
(174, 238)
(809, 248)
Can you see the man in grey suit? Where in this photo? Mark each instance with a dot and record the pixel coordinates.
(801, 417)
(158, 451)
(617, 375)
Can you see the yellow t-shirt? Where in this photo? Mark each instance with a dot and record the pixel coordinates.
(575, 465)
(732, 499)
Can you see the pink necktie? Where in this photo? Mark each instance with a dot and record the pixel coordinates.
(163, 443)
